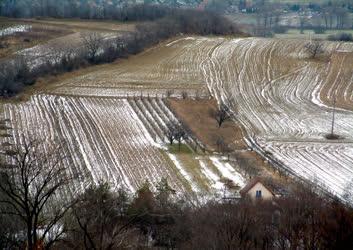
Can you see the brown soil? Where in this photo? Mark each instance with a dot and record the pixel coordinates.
(159, 68)
(195, 113)
(339, 81)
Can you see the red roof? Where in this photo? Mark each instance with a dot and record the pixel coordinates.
(251, 184)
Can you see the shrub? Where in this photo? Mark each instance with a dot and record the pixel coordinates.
(344, 37)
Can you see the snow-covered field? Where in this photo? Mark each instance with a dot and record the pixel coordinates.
(173, 66)
(282, 98)
(107, 141)
(15, 29)
(276, 93)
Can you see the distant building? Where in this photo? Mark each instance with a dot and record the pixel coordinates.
(256, 189)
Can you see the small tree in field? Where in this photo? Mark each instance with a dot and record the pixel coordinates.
(170, 133)
(221, 115)
(179, 135)
(176, 132)
(315, 48)
(92, 42)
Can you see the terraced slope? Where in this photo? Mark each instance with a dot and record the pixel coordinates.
(276, 93)
(171, 66)
(282, 98)
(115, 140)
(339, 80)
(106, 140)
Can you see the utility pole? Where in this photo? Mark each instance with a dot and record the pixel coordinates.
(333, 114)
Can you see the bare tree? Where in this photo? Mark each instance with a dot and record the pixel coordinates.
(184, 94)
(180, 134)
(221, 115)
(169, 93)
(164, 194)
(303, 19)
(99, 219)
(219, 141)
(315, 48)
(223, 147)
(10, 226)
(24, 74)
(170, 132)
(267, 16)
(176, 132)
(92, 41)
(30, 187)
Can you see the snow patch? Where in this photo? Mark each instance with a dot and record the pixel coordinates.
(182, 171)
(15, 29)
(227, 171)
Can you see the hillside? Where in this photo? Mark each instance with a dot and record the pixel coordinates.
(275, 90)
(176, 124)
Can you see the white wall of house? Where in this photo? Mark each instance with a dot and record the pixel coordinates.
(265, 193)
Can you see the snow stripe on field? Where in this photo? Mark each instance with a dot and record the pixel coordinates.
(105, 138)
(227, 171)
(15, 29)
(212, 177)
(182, 171)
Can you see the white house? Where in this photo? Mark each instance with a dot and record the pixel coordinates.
(255, 189)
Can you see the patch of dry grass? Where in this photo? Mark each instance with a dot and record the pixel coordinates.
(196, 114)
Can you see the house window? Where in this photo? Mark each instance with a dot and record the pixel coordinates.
(258, 194)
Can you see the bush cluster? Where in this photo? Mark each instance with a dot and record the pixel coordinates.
(343, 37)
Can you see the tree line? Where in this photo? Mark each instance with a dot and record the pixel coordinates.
(17, 73)
(88, 9)
(37, 212)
